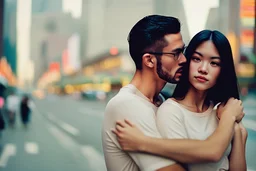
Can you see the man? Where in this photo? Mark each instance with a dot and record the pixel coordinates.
(156, 47)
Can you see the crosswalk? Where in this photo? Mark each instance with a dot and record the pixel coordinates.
(94, 157)
(31, 148)
(65, 126)
(10, 150)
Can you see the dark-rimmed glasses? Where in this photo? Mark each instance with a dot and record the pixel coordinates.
(176, 55)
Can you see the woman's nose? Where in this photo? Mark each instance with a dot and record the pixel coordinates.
(203, 68)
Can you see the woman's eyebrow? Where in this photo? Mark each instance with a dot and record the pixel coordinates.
(198, 53)
(213, 57)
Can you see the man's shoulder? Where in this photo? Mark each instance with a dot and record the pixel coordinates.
(125, 104)
(123, 96)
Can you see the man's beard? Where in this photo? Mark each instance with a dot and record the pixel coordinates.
(164, 75)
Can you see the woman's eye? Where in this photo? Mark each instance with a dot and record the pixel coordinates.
(196, 59)
(215, 64)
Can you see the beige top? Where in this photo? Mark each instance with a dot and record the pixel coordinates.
(131, 104)
(175, 121)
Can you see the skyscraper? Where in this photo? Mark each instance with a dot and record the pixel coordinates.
(9, 33)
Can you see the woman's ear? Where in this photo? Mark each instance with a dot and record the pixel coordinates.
(148, 60)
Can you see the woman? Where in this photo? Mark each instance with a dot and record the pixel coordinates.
(208, 79)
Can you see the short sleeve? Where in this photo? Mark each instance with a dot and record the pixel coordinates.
(144, 118)
(170, 121)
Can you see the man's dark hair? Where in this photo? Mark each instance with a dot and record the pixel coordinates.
(148, 35)
(226, 85)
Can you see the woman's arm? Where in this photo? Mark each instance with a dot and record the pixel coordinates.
(237, 161)
(185, 151)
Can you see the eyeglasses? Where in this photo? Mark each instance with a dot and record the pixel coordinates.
(176, 55)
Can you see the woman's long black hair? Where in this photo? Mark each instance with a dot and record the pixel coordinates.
(226, 85)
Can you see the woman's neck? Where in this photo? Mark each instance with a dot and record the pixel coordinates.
(195, 101)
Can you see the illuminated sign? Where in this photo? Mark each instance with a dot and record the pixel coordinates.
(247, 14)
(247, 9)
(247, 37)
(106, 64)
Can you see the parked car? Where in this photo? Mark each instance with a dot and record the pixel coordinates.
(94, 95)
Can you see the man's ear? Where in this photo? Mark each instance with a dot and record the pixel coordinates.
(148, 60)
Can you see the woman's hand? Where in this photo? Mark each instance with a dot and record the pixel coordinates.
(233, 108)
(129, 136)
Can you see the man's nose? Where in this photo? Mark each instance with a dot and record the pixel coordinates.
(183, 59)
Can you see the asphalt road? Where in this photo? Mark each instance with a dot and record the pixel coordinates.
(65, 134)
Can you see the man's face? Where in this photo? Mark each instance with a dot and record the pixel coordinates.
(169, 66)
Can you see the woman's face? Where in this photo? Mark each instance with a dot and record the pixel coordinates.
(204, 66)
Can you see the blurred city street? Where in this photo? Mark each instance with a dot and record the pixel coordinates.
(65, 134)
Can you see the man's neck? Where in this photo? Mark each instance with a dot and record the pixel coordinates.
(147, 84)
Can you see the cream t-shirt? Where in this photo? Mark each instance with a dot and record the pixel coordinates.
(130, 104)
(175, 121)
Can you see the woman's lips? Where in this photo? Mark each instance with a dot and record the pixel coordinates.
(201, 79)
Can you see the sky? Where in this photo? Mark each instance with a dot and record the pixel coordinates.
(197, 10)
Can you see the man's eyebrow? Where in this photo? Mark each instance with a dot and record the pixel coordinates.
(179, 49)
(213, 57)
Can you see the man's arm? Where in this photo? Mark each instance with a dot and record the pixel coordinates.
(133, 110)
(174, 167)
(185, 151)
(182, 150)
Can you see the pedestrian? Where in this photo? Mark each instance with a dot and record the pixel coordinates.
(25, 110)
(156, 47)
(2, 122)
(12, 106)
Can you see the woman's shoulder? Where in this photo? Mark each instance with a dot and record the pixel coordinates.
(171, 103)
(170, 107)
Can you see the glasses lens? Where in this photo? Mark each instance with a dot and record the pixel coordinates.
(178, 54)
